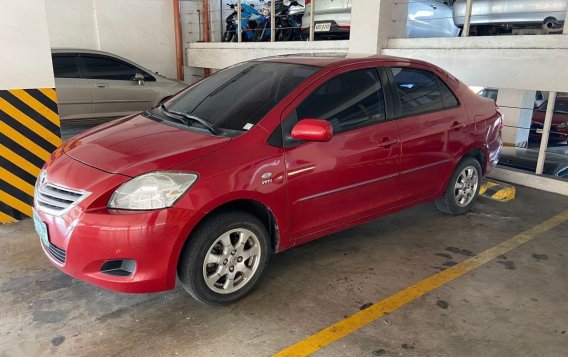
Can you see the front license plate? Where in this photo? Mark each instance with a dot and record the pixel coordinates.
(41, 229)
(324, 27)
(539, 131)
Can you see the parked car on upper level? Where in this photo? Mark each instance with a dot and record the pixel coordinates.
(491, 17)
(256, 159)
(96, 84)
(559, 126)
(491, 93)
(428, 18)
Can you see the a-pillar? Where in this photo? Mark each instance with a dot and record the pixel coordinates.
(517, 108)
(29, 123)
(374, 22)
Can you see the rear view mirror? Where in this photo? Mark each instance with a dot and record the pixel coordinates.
(139, 77)
(312, 130)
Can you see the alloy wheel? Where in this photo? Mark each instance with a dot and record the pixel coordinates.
(231, 261)
(465, 187)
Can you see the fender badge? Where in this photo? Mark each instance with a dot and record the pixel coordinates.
(266, 178)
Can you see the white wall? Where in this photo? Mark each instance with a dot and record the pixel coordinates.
(25, 57)
(139, 30)
(518, 62)
(222, 54)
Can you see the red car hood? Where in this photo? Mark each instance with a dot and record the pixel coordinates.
(135, 145)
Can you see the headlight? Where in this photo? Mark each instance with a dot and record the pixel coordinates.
(153, 190)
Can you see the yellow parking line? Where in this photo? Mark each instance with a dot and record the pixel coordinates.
(393, 302)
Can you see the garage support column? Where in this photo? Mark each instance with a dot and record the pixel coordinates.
(374, 22)
(565, 30)
(29, 123)
(517, 108)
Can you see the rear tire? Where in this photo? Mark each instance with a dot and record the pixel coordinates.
(224, 258)
(463, 189)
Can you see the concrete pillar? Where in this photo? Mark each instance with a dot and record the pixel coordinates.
(29, 123)
(374, 22)
(565, 30)
(517, 107)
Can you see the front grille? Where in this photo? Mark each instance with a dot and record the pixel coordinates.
(56, 252)
(55, 199)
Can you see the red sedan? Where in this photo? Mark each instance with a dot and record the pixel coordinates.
(258, 158)
(559, 125)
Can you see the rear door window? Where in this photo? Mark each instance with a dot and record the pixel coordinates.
(65, 66)
(417, 91)
(449, 100)
(100, 67)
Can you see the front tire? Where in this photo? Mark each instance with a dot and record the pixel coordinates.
(463, 189)
(224, 258)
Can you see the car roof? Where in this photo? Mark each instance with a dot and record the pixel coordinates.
(336, 59)
(82, 50)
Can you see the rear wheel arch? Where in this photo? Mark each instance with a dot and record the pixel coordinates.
(479, 155)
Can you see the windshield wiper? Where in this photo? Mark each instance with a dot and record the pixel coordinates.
(186, 117)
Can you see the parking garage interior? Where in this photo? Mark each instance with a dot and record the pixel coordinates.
(92, 88)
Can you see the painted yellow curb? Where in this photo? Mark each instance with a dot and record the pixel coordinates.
(498, 191)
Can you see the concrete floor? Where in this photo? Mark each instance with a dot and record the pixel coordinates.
(512, 306)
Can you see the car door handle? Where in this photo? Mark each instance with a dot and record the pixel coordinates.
(387, 143)
(458, 125)
(101, 85)
(434, 6)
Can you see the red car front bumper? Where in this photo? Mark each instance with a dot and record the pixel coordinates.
(86, 237)
(150, 239)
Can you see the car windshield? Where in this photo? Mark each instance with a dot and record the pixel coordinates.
(561, 106)
(238, 97)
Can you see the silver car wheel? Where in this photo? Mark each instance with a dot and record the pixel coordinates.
(465, 187)
(231, 261)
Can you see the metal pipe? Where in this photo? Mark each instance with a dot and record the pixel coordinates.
(467, 20)
(545, 133)
(312, 21)
(206, 30)
(178, 40)
(239, 26)
(272, 20)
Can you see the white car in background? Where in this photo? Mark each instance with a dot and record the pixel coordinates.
(332, 19)
(95, 85)
(492, 17)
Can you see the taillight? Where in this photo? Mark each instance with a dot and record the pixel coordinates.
(501, 118)
(308, 2)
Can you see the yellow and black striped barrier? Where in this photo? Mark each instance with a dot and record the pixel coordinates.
(497, 191)
(29, 133)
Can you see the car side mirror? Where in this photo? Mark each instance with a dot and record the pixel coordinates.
(139, 77)
(312, 130)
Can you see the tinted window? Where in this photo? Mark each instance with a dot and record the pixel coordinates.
(65, 67)
(449, 100)
(348, 101)
(240, 96)
(106, 68)
(417, 90)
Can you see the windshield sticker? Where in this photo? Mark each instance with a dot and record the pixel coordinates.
(248, 126)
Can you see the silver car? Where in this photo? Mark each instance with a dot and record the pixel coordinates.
(494, 16)
(95, 84)
(426, 18)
